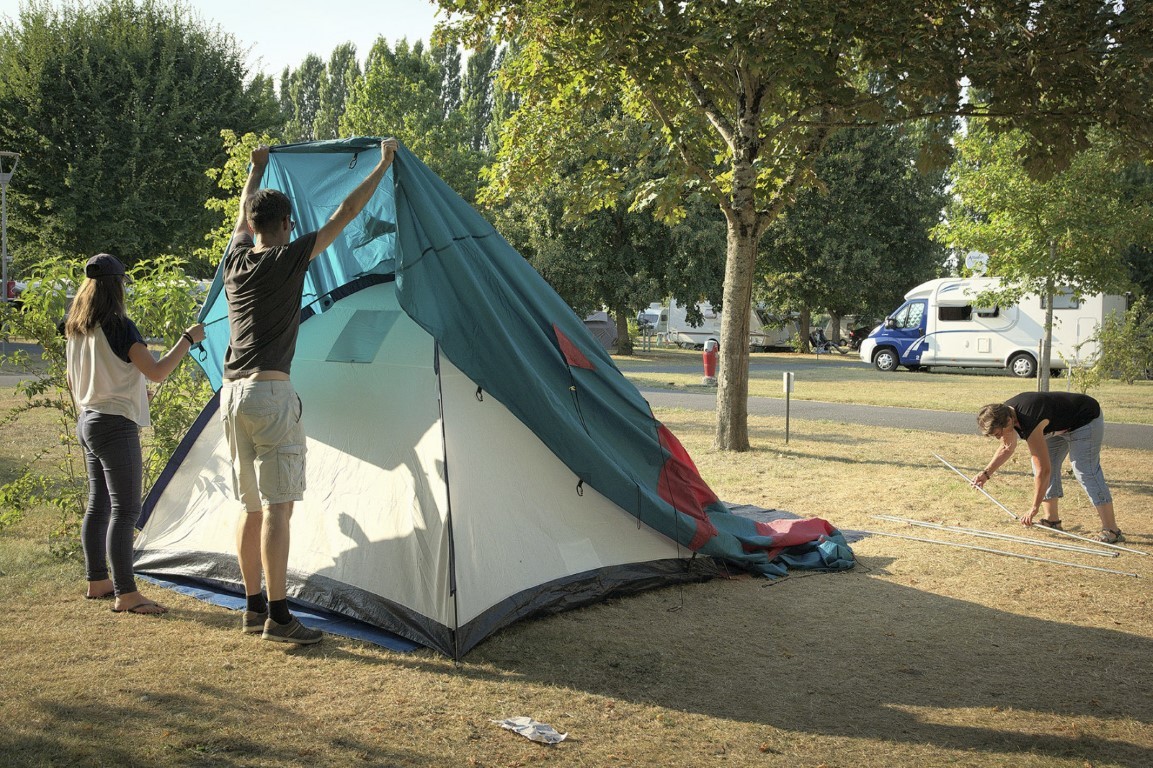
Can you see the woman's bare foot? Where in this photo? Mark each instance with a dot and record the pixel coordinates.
(134, 602)
(101, 589)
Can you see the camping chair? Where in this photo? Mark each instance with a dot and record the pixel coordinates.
(821, 345)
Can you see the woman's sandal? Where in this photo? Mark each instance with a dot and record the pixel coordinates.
(1054, 524)
(1107, 536)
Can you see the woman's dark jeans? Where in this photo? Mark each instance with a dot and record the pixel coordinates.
(112, 455)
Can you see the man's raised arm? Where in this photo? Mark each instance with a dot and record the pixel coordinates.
(258, 161)
(356, 200)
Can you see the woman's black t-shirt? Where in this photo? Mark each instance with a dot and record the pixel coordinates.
(1064, 410)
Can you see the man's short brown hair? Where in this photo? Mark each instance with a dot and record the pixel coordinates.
(266, 208)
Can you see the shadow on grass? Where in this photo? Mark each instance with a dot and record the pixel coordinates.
(206, 727)
(882, 663)
(842, 656)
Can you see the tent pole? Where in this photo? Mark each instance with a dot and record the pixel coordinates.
(1057, 531)
(1001, 552)
(456, 651)
(979, 488)
(999, 536)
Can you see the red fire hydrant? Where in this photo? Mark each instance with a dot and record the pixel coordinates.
(710, 359)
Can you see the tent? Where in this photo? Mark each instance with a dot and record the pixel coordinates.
(603, 328)
(474, 455)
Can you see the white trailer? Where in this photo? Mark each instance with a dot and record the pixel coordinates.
(940, 324)
(670, 323)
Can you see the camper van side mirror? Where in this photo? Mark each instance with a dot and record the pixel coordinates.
(890, 323)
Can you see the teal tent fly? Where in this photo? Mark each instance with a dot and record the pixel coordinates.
(474, 456)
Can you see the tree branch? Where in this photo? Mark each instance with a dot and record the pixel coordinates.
(684, 149)
(709, 107)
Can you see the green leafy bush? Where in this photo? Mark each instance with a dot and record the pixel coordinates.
(1125, 346)
(162, 300)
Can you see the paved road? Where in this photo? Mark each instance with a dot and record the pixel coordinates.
(1116, 435)
(8, 348)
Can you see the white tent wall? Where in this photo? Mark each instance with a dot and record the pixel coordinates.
(376, 502)
(519, 520)
(371, 539)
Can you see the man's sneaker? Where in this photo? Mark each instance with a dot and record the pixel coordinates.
(253, 622)
(292, 632)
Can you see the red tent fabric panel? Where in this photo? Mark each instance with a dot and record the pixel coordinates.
(572, 354)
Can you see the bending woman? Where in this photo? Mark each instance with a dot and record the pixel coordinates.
(108, 362)
(1053, 425)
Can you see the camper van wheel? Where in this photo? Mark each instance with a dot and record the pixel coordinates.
(1023, 365)
(886, 359)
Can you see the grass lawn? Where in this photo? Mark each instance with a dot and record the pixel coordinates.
(923, 655)
(837, 379)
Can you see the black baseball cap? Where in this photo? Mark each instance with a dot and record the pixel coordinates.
(103, 265)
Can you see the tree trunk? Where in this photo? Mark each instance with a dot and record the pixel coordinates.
(835, 335)
(624, 341)
(1046, 356)
(733, 371)
(804, 328)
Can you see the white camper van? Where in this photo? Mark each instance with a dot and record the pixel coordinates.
(940, 325)
(671, 323)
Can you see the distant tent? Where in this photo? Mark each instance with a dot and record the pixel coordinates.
(474, 455)
(603, 328)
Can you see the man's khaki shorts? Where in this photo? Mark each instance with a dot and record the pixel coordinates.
(266, 440)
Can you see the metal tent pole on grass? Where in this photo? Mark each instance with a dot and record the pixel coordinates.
(1000, 536)
(1057, 531)
(1002, 552)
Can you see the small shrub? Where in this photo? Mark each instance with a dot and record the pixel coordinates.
(162, 302)
(1125, 349)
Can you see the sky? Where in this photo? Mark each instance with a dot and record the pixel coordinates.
(279, 33)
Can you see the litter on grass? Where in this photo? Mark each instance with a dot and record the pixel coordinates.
(532, 730)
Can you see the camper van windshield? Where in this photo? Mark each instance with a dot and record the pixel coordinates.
(910, 315)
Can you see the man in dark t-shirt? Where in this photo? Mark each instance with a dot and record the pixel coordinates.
(1053, 425)
(263, 273)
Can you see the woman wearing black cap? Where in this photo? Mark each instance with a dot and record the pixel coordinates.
(108, 361)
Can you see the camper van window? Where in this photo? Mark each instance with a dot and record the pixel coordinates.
(1063, 299)
(988, 312)
(954, 314)
(910, 316)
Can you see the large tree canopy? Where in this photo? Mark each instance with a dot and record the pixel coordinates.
(857, 241)
(300, 97)
(746, 92)
(117, 109)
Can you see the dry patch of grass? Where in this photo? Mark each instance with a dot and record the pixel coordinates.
(924, 655)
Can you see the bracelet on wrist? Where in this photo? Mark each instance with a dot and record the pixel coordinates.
(187, 337)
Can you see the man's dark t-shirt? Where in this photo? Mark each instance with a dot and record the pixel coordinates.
(263, 289)
(1064, 410)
